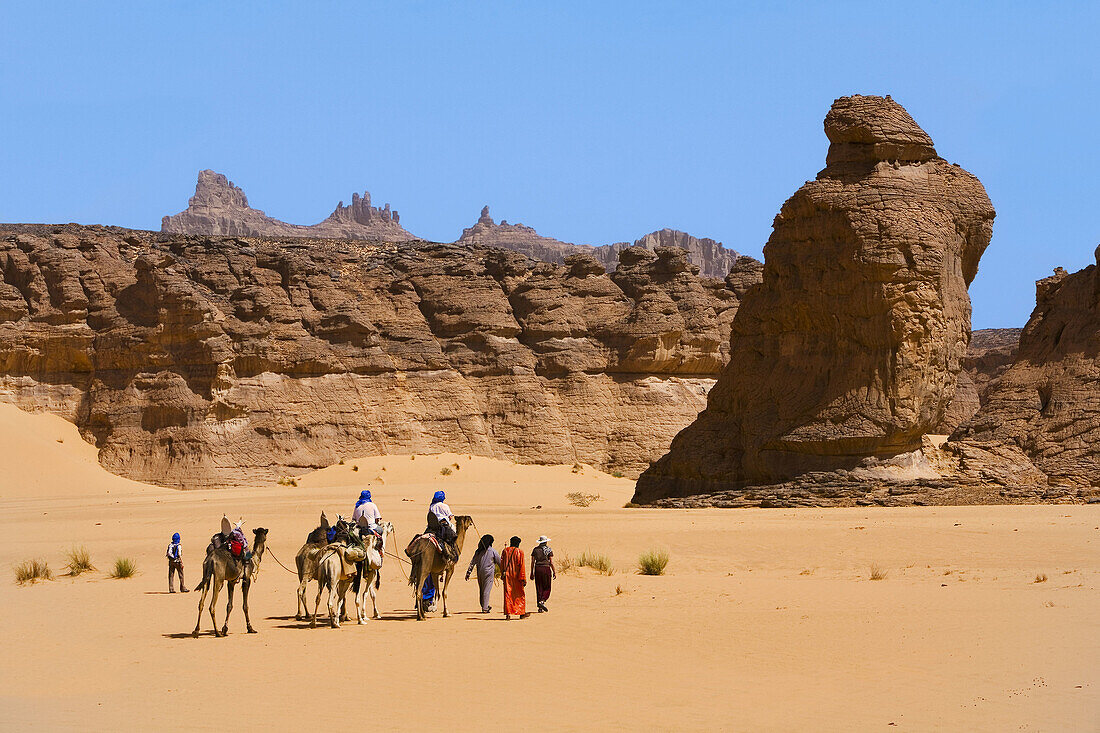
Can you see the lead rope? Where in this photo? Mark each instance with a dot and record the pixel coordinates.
(284, 567)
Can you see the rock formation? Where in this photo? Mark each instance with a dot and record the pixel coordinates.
(199, 361)
(991, 352)
(1047, 404)
(221, 208)
(851, 346)
(712, 259)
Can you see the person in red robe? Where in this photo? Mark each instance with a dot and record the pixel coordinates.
(513, 568)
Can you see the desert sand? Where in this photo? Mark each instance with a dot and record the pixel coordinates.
(765, 620)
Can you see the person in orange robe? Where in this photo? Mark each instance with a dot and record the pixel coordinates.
(514, 570)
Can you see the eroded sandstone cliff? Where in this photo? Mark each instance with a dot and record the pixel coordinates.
(851, 346)
(198, 361)
(711, 257)
(1047, 403)
(221, 208)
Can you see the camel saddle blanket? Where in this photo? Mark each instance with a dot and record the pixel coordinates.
(427, 535)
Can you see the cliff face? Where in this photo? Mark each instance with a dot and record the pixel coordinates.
(1047, 403)
(221, 208)
(851, 346)
(197, 361)
(712, 259)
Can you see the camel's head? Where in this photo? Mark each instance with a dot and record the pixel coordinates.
(463, 522)
(259, 535)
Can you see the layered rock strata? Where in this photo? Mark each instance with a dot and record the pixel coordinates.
(221, 208)
(197, 361)
(1047, 404)
(711, 257)
(850, 348)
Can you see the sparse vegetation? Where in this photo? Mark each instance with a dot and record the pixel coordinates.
(577, 468)
(617, 474)
(287, 481)
(581, 498)
(355, 468)
(445, 471)
(619, 590)
(31, 571)
(79, 561)
(341, 462)
(124, 568)
(596, 561)
(566, 563)
(457, 467)
(1041, 578)
(808, 571)
(878, 573)
(653, 562)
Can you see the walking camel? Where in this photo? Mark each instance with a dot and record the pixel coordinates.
(335, 572)
(306, 562)
(428, 563)
(221, 567)
(368, 577)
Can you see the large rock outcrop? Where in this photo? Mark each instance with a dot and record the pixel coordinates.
(1047, 404)
(711, 257)
(196, 361)
(221, 208)
(851, 346)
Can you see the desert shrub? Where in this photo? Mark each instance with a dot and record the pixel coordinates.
(577, 468)
(581, 498)
(445, 471)
(79, 561)
(596, 561)
(878, 573)
(355, 468)
(617, 474)
(341, 462)
(31, 571)
(619, 590)
(124, 568)
(287, 481)
(1041, 578)
(653, 562)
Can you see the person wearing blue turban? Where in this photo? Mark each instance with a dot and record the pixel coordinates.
(441, 523)
(175, 563)
(366, 513)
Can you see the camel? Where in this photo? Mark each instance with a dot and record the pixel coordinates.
(368, 577)
(221, 567)
(428, 563)
(306, 562)
(335, 571)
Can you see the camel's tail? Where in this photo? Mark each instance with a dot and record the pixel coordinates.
(414, 571)
(378, 579)
(207, 571)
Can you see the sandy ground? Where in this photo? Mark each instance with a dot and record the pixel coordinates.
(766, 619)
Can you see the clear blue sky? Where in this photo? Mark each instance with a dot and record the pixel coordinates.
(591, 121)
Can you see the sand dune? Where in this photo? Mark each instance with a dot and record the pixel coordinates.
(766, 620)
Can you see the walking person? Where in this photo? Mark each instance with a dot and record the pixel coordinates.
(486, 559)
(513, 573)
(174, 553)
(543, 571)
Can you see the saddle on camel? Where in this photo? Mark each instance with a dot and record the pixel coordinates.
(229, 561)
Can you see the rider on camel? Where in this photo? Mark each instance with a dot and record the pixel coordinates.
(441, 523)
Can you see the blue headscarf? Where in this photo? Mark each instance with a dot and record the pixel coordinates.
(439, 496)
(364, 497)
(176, 538)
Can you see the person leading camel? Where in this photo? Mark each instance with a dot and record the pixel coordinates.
(486, 559)
(543, 571)
(514, 575)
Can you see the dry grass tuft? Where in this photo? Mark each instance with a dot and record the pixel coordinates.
(31, 571)
(878, 573)
(79, 561)
(581, 498)
(653, 562)
(124, 568)
(619, 590)
(1041, 578)
(617, 474)
(808, 571)
(355, 468)
(445, 471)
(287, 481)
(596, 561)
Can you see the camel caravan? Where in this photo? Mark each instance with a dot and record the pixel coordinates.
(346, 555)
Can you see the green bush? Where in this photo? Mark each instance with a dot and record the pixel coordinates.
(124, 568)
(653, 562)
(79, 561)
(31, 571)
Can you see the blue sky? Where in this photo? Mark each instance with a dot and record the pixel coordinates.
(593, 122)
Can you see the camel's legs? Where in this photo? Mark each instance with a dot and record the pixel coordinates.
(228, 606)
(333, 611)
(202, 601)
(317, 604)
(373, 596)
(217, 582)
(302, 583)
(443, 587)
(244, 603)
(361, 597)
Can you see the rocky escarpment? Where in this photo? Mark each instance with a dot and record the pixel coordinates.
(712, 259)
(198, 361)
(991, 352)
(850, 348)
(221, 208)
(1046, 405)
